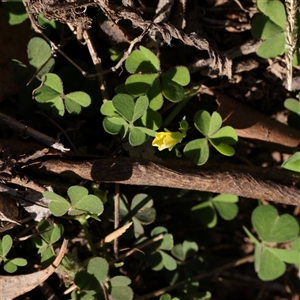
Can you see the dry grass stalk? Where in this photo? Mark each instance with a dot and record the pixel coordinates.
(291, 39)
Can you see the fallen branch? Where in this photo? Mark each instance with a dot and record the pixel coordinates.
(14, 286)
(272, 184)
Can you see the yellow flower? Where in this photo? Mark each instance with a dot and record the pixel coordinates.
(167, 139)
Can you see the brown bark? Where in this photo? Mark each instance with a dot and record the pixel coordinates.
(272, 184)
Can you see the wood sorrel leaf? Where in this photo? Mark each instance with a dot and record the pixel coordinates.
(76, 193)
(5, 245)
(124, 105)
(273, 9)
(179, 74)
(136, 136)
(58, 205)
(151, 119)
(263, 28)
(91, 204)
(202, 121)
(292, 105)
(107, 109)
(142, 60)
(98, 267)
(272, 228)
(51, 88)
(140, 107)
(292, 163)
(205, 212)
(59, 208)
(269, 266)
(139, 84)
(114, 125)
(272, 47)
(171, 89)
(39, 52)
(198, 151)
(75, 100)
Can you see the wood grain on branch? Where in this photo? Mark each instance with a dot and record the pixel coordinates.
(272, 184)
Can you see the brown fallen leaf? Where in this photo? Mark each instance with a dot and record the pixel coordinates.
(9, 210)
(14, 286)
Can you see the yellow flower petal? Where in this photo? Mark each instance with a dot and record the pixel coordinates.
(167, 139)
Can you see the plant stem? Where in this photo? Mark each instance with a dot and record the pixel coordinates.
(197, 277)
(83, 221)
(179, 107)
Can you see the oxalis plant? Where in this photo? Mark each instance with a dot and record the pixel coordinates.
(134, 115)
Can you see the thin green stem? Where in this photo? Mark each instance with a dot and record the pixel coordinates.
(176, 110)
(83, 221)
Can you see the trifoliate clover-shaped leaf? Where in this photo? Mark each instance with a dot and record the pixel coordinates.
(140, 212)
(185, 250)
(11, 265)
(125, 110)
(141, 207)
(270, 27)
(74, 101)
(220, 138)
(51, 232)
(151, 81)
(272, 228)
(51, 95)
(82, 201)
(207, 124)
(225, 204)
(270, 262)
(119, 289)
